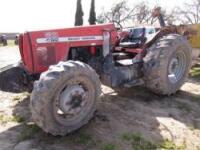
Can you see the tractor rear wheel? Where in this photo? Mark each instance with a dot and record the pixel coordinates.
(167, 64)
(64, 99)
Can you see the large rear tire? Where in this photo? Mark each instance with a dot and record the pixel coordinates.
(167, 64)
(64, 99)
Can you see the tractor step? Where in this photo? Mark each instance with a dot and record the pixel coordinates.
(120, 56)
(128, 62)
(134, 83)
(125, 62)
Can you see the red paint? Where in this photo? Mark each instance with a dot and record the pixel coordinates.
(129, 50)
(29, 48)
(37, 57)
(134, 50)
(93, 50)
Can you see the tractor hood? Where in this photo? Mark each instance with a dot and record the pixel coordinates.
(40, 49)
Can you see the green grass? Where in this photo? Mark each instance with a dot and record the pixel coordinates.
(28, 132)
(77, 138)
(198, 147)
(26, 94)
(82, 138)
(5, 119)
(184, 106)
(21, 96)
(18, 119)
(16, 98)
(138, 142)
(170, 145)
(109, 146)
(195, 71)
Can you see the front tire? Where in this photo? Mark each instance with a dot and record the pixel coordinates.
(167, 64)
(64, 99)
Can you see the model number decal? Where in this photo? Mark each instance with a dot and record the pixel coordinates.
(51, 39)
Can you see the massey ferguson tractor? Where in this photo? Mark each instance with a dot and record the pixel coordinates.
(72, 63)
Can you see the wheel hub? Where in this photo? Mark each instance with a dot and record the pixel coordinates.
(173, 65)
(72, 99)
(177, 67)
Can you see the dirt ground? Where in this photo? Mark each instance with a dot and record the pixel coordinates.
(9, 55)
(125, 120)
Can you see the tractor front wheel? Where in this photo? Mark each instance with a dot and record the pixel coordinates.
(64, 99)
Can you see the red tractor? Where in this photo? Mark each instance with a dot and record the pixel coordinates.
(71, 63)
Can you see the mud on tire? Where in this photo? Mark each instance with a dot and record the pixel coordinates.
(65, 87)
(167, 64)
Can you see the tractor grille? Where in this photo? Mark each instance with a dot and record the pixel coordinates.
(46, 56)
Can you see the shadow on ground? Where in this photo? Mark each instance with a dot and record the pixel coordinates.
(12, 79)
(136, 112)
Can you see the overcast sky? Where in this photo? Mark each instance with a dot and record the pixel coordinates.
(24, 15)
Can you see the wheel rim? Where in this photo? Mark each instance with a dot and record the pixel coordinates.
(176, 67)
(73, 101)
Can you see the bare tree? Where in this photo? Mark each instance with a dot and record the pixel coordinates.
(101, 18)
(190, 13)
(119, 14)
(144, 14)
(170, 17)
(141, 13)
